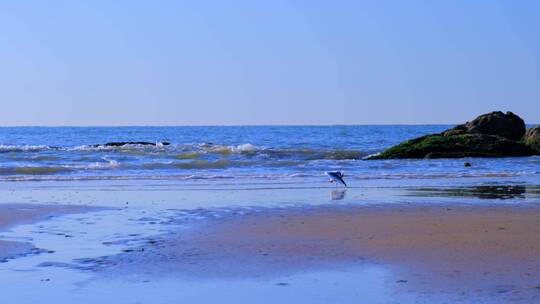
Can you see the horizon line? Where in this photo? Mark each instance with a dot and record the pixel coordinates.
(223, 125)
(235, 125)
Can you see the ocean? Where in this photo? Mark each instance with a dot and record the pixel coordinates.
(240, 154)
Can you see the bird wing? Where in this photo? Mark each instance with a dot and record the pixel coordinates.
(337, 176)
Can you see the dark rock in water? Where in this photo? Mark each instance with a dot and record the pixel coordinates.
(490, 135)
(507, 125)
(467, 164)
(123, 143)
(532, 138)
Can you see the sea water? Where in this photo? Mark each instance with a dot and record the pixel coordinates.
(239, 154)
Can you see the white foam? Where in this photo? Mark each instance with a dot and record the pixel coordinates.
(245, 148)
(19, 148)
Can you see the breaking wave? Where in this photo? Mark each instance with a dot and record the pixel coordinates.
(193, 151)
(24, 148)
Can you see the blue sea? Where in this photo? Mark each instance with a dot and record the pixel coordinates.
(273, 154)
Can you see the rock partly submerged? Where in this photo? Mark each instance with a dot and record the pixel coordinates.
(494, 134)
(125, 143)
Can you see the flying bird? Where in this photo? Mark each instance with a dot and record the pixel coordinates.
(336, 177)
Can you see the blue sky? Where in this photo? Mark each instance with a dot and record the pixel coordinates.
(267, 62)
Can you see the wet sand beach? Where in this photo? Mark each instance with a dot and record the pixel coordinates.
(464, 251)
(156, 243)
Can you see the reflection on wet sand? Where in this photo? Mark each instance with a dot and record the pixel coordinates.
(483, 192)
(337, 195)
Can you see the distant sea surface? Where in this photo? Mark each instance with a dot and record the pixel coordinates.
(286, 154)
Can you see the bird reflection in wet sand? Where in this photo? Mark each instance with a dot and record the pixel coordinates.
(338, 194)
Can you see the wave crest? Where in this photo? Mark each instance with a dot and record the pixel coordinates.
(24, 148)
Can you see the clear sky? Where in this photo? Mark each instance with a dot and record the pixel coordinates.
(266, 62)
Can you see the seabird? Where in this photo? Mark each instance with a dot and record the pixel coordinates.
(336, 176)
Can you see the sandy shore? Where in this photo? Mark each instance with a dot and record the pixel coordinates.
(16, 214)
(486, 251)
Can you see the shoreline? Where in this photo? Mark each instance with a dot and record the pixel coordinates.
(19, 214)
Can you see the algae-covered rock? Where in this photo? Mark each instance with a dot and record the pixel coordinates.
(532, 139)
(495, 134)
(456, 146)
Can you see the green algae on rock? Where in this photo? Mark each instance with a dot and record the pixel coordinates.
(494, 134)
